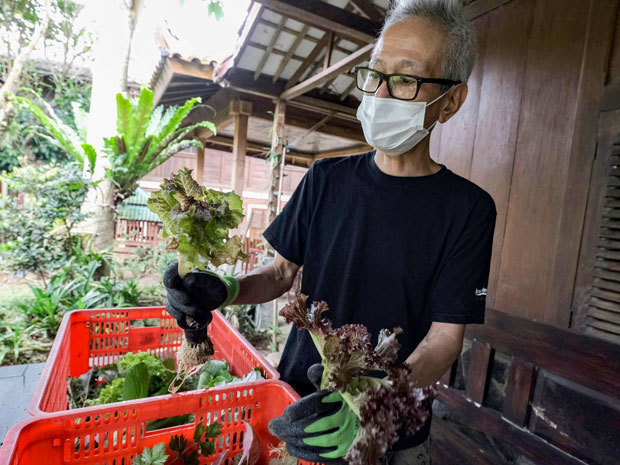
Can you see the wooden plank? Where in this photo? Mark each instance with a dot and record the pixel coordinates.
(308, 37)
(477, 384)
(610, 275)
(314, 53)
(348, 90)
(328, 18)
(603, 325)
(582, 152)
(610, 97)
(481, 7)
(603, 252)
(519, 388)
(368, 9)
(609, 265)
(491, 422)
(604, 284)
(607, 295)
(576, 419)
(459, 448)
(239, 152)
(598, 361)
(277, 147)
(270, 47)
(609, 317)
(503, 65)
(315, 81)
(290, 53)
(200, 165)
(327, 59)
(536, 202)
(609, 244)
(605, 304)
(275, 51)
(459, 133)
(255, 147)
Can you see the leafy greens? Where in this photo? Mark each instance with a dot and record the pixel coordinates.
(381, 404)
(196, 222)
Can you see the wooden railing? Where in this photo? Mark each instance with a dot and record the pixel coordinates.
(133, 233)
(548, 394)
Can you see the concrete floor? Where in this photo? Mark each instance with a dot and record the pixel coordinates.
(17, 385)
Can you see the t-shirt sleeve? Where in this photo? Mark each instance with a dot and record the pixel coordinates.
(459, 291)
(288, 232)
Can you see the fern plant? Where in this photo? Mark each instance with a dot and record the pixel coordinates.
(146, 138)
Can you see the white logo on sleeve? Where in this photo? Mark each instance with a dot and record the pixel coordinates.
(481, 292)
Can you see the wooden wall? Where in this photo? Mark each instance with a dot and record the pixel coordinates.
(527, 135)
(218, 171)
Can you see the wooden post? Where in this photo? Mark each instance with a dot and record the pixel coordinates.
(328, 53)
(240, 109)
(277, 147)
(200, 165)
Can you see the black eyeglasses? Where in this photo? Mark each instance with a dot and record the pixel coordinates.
(400, 86)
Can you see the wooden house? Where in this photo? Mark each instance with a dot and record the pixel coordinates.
(540, 131)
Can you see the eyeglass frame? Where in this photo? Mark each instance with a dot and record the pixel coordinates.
(386, 78)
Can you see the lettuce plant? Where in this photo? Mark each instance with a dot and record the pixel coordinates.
(381, 404)
(197, 221)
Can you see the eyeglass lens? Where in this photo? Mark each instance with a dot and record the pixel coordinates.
(400, 86)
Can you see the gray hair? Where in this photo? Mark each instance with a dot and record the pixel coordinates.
(459, 50)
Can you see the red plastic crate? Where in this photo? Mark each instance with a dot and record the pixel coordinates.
(115, 433)
(100, 336)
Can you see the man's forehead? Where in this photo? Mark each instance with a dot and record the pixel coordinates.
(399, 63)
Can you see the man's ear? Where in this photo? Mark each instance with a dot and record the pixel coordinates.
(455, 100)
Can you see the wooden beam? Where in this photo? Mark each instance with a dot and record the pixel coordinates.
(356, 150)
(272, 43)
(275, 51)
(354, 59)
(327, 17)
(327, 59)
(348, 90)
(310, 130)
(240, 110)
(200, 164)
(312, 56)
(255, 147)
(367, 8)
(277, 152)
(191, 68)
(324, 106)
(481, 7)
(165, 77)
(307, 37)
(290, 53)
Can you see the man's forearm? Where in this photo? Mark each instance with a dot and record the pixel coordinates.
(436, 353)
(262, 285)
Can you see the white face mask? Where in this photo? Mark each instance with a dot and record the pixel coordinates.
(391, 125)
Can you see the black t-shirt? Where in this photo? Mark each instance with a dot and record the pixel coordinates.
(384, 251)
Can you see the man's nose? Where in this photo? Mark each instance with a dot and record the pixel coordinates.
(382, 91)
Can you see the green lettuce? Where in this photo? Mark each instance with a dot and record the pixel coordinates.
(197, 221)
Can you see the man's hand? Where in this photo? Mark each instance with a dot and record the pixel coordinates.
(319, 427)
(197, 295)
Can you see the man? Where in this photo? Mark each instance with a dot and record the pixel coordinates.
(388, 239)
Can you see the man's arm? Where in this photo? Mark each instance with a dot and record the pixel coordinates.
(267, 282)
(436, 353)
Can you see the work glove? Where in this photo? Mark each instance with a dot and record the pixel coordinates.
(319, 427)
(196, 296)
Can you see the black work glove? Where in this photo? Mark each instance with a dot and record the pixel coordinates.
(319, 427)
(194, 296)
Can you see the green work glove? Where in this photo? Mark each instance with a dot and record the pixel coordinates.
(319, 427)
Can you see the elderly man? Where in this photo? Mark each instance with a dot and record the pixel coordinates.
(388, 239)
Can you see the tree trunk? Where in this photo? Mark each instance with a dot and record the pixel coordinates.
(112, 35)
(13, 80)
